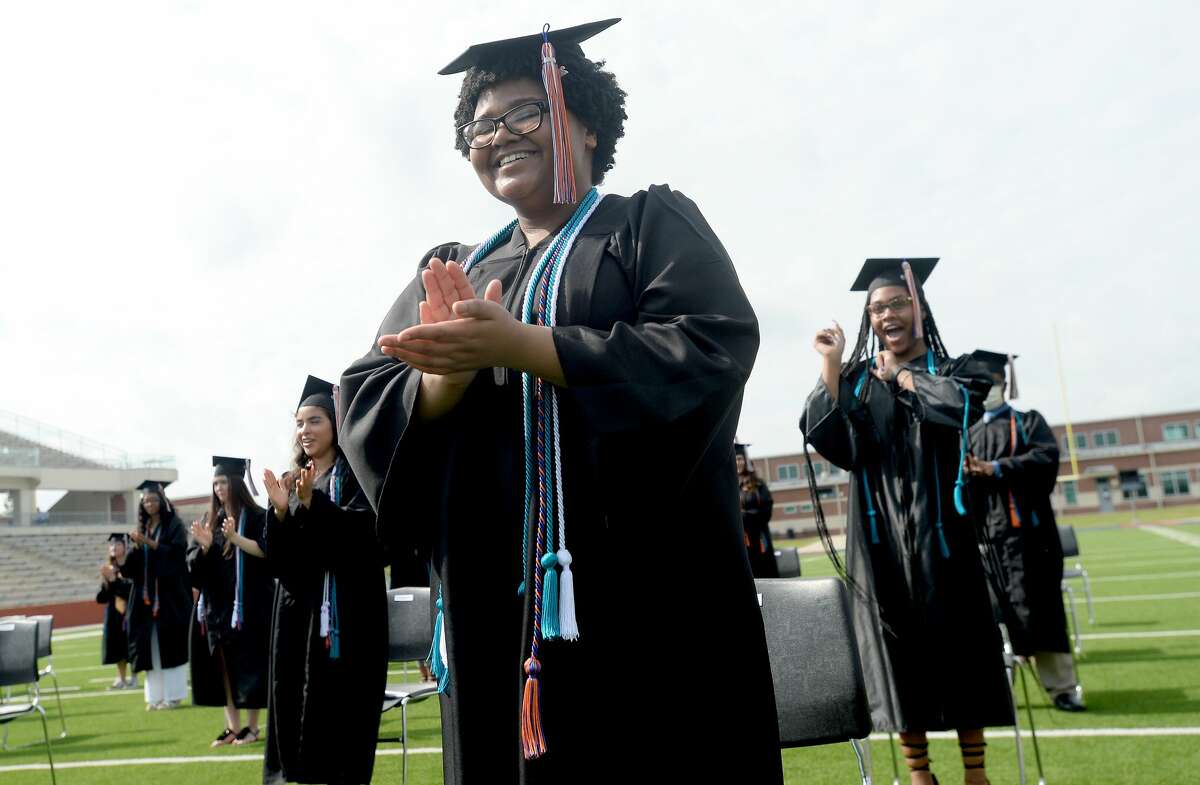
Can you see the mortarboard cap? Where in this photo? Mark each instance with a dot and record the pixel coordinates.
(153, 485)
(234, 467)
(890, 272)
(739, 448)
(566, 40)
(117, 537)
(999, 363)
(317, 392)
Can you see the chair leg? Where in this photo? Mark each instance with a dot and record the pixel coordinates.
(895, 764)
(1087, 593)
(404, 742)
(1009, 666)
(62, 718)
(49, 754)
(862, 751)
(1074, 619)
(1037, 753)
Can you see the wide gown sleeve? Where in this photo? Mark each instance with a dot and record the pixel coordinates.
(695, 336)
(829, 428)
(938, 399)
(1037, 467)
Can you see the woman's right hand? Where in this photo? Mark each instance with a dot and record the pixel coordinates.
(277, 492)
(830, 343)
(202, 533)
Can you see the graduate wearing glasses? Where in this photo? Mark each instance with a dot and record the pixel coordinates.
(896, 414)
(498, 420)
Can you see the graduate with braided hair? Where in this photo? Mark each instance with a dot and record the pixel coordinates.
(496, 422)
(895, 415)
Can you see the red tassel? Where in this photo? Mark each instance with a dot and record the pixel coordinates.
(560, 131)
(918, 316)
(533, 742)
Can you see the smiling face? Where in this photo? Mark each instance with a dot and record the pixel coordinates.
(314, 431)
(519, 169)
(893, 327)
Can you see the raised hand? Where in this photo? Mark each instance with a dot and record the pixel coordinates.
(277, 492)
(229, 529)
(830, 343)
(886, 366)
(202, 532)
(304, 483)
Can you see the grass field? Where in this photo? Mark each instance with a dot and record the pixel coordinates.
(1140, 669)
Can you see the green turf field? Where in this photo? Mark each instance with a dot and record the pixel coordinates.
(1142, 581)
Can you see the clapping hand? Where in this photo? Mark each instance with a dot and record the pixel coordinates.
(278, 491)
(202, 532)
(304, 483)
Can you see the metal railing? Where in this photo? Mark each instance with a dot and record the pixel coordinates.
(69, 445)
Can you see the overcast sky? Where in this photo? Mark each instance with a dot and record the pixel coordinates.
(200, 203)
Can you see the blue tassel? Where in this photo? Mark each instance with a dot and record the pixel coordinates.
(521, 589)
(550, 597)
(1035, 518)
(942, 544)
(870, 508)
(335, 649)
(958, 499)
(437, 665)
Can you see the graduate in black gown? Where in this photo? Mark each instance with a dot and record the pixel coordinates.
(1014, 467)
(113, 595)
(757, 507)
(160, 599)
(575, 592)
(895, 415)
(231, 629)
(329, 633)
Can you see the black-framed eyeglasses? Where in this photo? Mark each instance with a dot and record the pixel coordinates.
(895, 305)
(520, 120)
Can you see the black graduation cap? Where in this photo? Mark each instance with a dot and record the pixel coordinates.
(154, 485)
(567, 39)
(234, 467)
(121, 537)
(997, 362)
(890, 272)
(739, 448)
(317, 392)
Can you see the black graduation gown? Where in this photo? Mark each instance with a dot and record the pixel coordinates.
(114, 645)
(166, 570)
(1029, 557)
(657, 343)
(246, 652)
(325, 712)
(931, 650)
(757, 507)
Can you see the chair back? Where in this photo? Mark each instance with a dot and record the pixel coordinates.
(45, 633)
(410, 630)
(1070, 545)
(820, 694)
(788, 562)
(18, 652)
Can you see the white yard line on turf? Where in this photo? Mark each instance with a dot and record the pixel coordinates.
(1113, 636)
(97, 764)
(1067, 733)
(1186, 538)
(1182, 595)
(1193, 559)
(75, 636)
(1149, 576)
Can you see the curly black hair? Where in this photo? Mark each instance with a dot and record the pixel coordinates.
(592, 95)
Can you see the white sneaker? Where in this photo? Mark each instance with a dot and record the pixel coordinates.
(118, 684)
(131, 683)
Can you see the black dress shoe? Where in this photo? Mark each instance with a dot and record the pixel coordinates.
(1068, 701)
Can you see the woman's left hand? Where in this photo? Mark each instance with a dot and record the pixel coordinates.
(483, 335)
(229, 527)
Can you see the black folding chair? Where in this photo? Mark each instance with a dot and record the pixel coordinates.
(410, 635)
(45, 635)
(19, 666)
(820, 694)
(1070, 548)
(1013, 668)
(788, 562)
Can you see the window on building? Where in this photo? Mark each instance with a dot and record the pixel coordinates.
(1071, 492)
(1105, 439)
(1140, 490)
(825, 493)
(1175, 483)
(818, 468)
(1081, 441)
(791, 509)
(806, 507)
(787, 471)
(1176, 432)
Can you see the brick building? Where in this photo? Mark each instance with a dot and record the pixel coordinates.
(1163, 448)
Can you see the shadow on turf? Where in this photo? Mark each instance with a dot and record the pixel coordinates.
(1150, 701)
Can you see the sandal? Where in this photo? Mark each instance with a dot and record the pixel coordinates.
(247, 736)
(227, 736)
